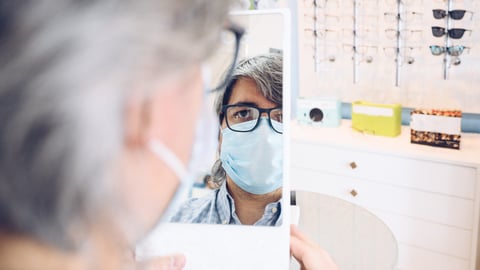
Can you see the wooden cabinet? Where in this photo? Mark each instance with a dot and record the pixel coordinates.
(429, 197)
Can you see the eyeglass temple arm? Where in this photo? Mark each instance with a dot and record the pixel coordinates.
(471, 13)
(238, 31)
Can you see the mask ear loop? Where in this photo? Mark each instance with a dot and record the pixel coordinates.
(173, 162)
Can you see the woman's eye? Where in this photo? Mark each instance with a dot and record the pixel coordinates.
(277, 116)
(242, 114)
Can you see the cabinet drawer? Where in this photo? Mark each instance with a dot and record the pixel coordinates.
(413, 258)
(431, 236)
(431, 207)
(406, 172)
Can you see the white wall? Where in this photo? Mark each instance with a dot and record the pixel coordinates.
(420, 84)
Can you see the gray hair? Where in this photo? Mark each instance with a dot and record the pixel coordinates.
(68, 68)
(267, 72)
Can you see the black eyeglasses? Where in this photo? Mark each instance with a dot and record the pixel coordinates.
(245, 117)
(456, 50)
(226, 57)
(456, 14)
(455, 33)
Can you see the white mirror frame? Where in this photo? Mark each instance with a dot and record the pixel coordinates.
(234, 247)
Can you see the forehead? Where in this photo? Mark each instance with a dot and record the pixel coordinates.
(246, 91)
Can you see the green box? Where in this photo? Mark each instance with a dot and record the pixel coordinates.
(377, 119)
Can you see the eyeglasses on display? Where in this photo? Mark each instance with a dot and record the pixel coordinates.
(359, 32)
(320, 3)
(401, 60)
(364, 58)
(403, 33)
(324, 18)
(404, 16)
(250, 115)
(403, 2)
(365, 52)
(328, 53)
(367, 4)
(404, 50)
(360, 49)
(456, 14)
(329, 58)
(455, 33)
(322, 33)
(455, 50)
(447, 1)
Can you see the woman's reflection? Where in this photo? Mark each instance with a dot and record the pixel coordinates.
(249, 171)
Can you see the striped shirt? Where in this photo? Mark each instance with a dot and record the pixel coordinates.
(218, 207)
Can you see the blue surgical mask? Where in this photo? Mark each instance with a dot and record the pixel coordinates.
(253, 160)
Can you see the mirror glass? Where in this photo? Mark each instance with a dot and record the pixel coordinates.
(266, 32)
(241, 181)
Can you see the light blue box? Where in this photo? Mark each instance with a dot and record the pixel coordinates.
(317, 111)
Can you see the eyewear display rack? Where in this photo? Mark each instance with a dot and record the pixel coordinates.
(451, 52)
(419, 53)
(401, 33)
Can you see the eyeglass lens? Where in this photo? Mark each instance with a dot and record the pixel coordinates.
(455, 33)
(438, 31)
(437, 50)
(457, 14)
(455, 50)
(245, 118)
(439, 13)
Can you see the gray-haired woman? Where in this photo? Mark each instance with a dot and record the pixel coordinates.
(92, 96)
(249, 172)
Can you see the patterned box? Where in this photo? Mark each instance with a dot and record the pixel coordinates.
(440, 128)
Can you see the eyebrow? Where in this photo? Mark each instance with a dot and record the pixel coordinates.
(253, 104)
(246, 104)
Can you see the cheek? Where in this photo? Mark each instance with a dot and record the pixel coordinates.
(220, 142)
(141, 192)
(174, 120)
(149, 183)
(220, 136)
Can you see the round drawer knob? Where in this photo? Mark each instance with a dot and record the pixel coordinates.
(353, 165)
(353, 192)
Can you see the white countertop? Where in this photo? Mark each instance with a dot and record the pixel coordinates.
(345, 136)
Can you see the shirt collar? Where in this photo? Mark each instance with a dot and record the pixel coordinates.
(226, 210)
